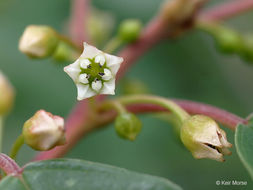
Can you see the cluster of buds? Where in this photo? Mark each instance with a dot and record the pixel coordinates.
(94, 72)
(44, 131)
(6, 95)
(230, 41)
(203, 137)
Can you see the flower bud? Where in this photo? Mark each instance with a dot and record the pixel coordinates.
(128, 126)
(38, 41)
(229, 41)
(203, 137)
(44, 131)
(247, 54)
(129, 30)
(6, 95)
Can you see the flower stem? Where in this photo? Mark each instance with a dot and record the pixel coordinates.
(112, 45)
(115, 105)
(163, 102)
(1, 131)
(16, 146)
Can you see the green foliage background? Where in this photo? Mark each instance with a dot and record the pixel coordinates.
(189, 67)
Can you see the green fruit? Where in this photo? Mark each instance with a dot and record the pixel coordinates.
(229, 41)
(129, 30)
(128, 126)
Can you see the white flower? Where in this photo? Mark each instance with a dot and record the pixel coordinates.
(94, 72)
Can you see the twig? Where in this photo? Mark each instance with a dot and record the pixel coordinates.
(75, 134)
(227, 10)
(9, 166)
(79, 14)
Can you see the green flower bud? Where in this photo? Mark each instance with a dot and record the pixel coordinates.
(203, 137)
(44, 131)
(129, 30)
(64, 52)
(38, 41)
(128, 126)
(6, 95)
(247, 52)
(229, 41)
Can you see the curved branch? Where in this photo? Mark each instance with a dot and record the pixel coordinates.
(77, 129)
(79, 14)
(9, 166)
(227, 10)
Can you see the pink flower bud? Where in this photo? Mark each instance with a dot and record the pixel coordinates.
(44, 131)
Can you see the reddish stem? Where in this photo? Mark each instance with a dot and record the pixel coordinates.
(227, 10)
(9, 166)
(154, 32)
(228, 119)
(79, 14)
(75, 134)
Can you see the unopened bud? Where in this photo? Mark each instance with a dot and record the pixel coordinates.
(229, 41)
(128, 126)
(38, 41)
(247, 52)
(129, 30)
(203, 137)
(44, 131)
(6, 95)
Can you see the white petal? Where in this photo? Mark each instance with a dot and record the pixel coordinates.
(84, 91)
(113, 62)
(100, 59)
(109, 87)
(73, 70)
(107, 74)
(89, 51)
(96, 85)
(83, 78)
(84, 63)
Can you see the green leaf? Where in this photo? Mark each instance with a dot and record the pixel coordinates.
(70, 174)
(244, 145)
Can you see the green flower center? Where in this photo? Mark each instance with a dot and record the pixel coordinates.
(94, 71)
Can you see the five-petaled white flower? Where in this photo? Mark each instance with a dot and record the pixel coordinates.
(94, 72)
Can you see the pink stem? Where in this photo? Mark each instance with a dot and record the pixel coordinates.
(227, 10)
(9, 166)
(79, 14)
(228, 119)
(155, 31)
(76, 129)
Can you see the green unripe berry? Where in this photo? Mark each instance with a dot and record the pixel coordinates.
(247, 52)
(128, 126)
(129, 30)
(229, 41)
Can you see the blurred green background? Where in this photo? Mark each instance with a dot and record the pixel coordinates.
(189, 67)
